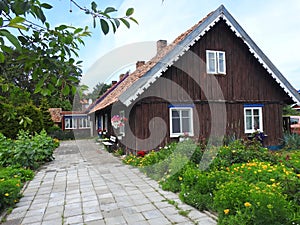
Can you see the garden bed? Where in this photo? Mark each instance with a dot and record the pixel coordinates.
(242, 182)
(18, 160)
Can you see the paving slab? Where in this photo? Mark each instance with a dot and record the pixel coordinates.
(87, 185)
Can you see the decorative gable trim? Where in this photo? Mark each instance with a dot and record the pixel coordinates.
(180, 48)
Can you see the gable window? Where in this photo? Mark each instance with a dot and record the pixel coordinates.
(253, 118)
(181, 121)
(215, 62)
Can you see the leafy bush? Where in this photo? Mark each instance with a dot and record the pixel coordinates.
(56, 132)
(251, 204)
(241, 152)
(10, 185)
(245, 183)
(198, 187)
(291, 141)
(27, 117)
(9, 192)
(27, 151)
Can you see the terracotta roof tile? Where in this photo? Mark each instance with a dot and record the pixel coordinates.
(121, 87)
(55, 114)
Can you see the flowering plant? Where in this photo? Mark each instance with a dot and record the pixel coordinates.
(118, 121)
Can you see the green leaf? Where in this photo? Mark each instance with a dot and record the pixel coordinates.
(6, 49)
(110, 10)
(66, 90)
(117, 22)
(94, 22)
(2, 57)
(104, 26)
(58, 82)
(39, 13)
(134, 20)
(114, 26)
(17, 19)
(126, 23)
(11, 38)
(16, 23)
(5, 87)
(61, 27)
(78, 30)
(46, 6)
(94, 6)
(129, 11)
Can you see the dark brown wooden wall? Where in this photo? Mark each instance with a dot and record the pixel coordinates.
(246, 81)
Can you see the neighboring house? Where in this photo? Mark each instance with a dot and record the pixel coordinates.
(212, 80)
(78, 122)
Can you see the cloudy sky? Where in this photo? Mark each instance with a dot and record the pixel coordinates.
(272, 24)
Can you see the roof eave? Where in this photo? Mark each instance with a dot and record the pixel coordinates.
(133, 92)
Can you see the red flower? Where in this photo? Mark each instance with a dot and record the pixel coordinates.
(141, 153)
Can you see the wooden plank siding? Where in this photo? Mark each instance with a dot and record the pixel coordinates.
(246, 81)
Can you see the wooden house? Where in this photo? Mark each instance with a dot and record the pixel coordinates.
(211, 81)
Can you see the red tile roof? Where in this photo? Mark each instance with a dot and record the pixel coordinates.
(121, 87)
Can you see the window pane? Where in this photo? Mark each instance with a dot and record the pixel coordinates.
(211, 62)
(221, 62)
(248, 112)
(67, 123)
(255, 112)
(175, 125)
(249, 123)
(175, 114)
(186, 125)
(256, 122)
(185, 113)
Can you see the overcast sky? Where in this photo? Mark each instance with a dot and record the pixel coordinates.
(274, 25)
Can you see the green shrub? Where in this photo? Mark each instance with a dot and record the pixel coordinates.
(11, 182)
(291, 141)
(198, 186)
(13, 119)
(241, 152)
(16, 173)
(251, 203)
(9, 192)
(27, 151)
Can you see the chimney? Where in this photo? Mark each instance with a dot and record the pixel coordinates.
(160, 45)
(121, 76)
(139, 64)
(113, 82)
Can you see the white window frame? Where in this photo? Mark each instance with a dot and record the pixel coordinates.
(84, 123)
(122, 129)
(260, 114)
(217, 57)
(180, 109)
(72, 122)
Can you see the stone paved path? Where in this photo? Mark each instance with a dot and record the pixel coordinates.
(87, 185)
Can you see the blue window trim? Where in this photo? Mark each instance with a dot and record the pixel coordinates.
(181, 106)
(253, 105)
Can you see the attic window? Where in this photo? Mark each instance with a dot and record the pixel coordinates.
(215, 62)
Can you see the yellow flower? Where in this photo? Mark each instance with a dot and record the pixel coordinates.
(272, 180)
(247, 204)
(2, 179)
(6, 194)
(298, 175)
(179, 178)
(15, 176)
(18, 185)
(226, 211)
